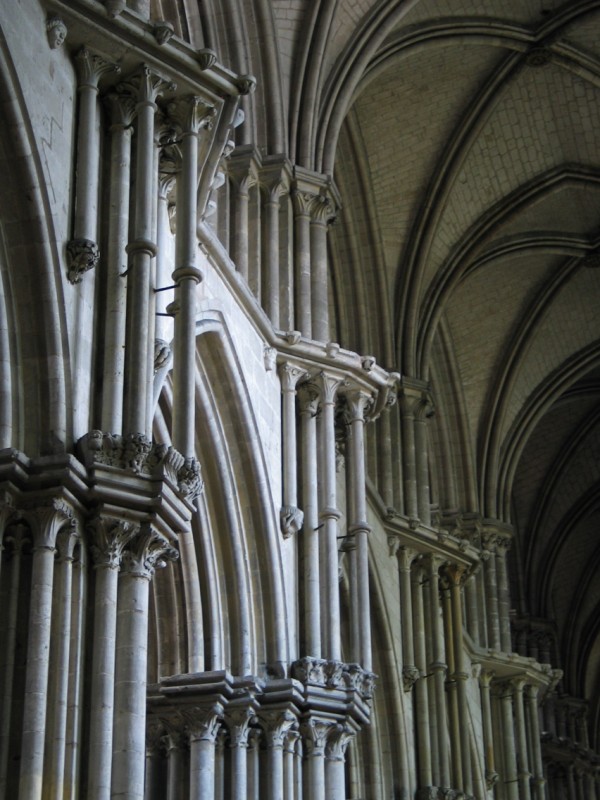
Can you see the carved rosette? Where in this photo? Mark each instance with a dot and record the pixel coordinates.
(291, 519)
(82, 255)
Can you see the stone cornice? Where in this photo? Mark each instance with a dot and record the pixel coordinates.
(134, 40)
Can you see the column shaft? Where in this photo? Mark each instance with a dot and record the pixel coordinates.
(310, 538)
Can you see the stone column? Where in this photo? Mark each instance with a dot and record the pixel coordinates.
(322, 214)
(290, 766)
(314, 735)
(192, 115)
(422, 702)
(45, 523)
(308, 397)
(203, 725)
(145, 86)
(329, 514)
(275, 183)
(143, 554)
(109, 537)
(335, 778)
(253, 764)
(532, 712)
(291, 516)
(510, 778)
(121, 109)
(488, 556)
(238, 721)
(453, 703)
(155, 742)
(472, 606)
(83, 248)
(502, 546)
(410, 673)
(175, 744)
(14, 541)
(521, 740)
(357, 405)
(54, 761)
(76, 673)
(485, 680)
(276, 725)
(413, 404)
(438, 667)
(302, 279)
(455, 575)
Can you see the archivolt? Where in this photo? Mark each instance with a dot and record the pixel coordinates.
(231, 586)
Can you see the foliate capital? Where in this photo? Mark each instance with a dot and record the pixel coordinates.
(277, 723)
(192, 114)
(328, 386)
(91, 67)
(146, 552)
(316, 732)
(289, 375)
(47, 519)
(145, 85)
(202, 724)
(338, 740)
(308, 395)
(358, 404)
(82, 255)
(109, 537)
(121, 109)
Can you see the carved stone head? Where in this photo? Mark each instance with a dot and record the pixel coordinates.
(56, 30)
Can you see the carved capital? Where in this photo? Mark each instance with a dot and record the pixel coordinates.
(322, 210)
(91, 67)
(121, 110)
(237, 721)
(202, 723)
(315, 733)
(289, 375)
(357, 405)
(328, 388)
(82, 255)
(192, 114)
(47, 519)
(146, 86)
(291, 519)
(146, 552)
(276, 724)
(308, 396)
(337, 742)
(246, 84)
(109, 537)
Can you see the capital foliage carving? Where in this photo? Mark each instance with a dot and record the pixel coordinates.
(277, 724)
(192, 114)
(146, 85)
(109, 537)
(146, 552)
(337, 742)
(91, 67)
(202, 723)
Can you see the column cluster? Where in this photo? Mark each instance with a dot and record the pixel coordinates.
(278, 240)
